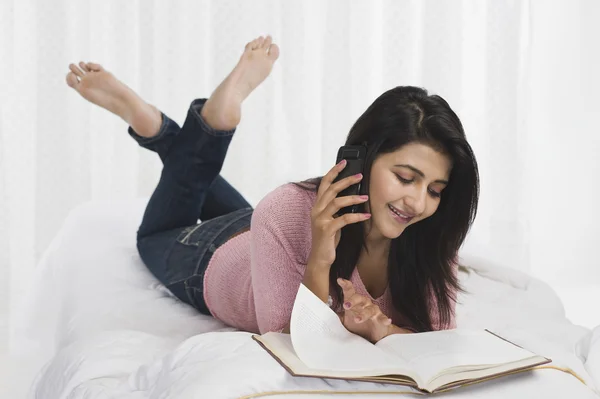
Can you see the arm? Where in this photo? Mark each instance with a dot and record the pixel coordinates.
(317, 280)
(280, 238)
(287, 226)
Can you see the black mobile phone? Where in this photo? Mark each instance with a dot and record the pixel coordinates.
(355, 162)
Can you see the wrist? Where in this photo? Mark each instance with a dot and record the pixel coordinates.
(317, 265)
(394, 329)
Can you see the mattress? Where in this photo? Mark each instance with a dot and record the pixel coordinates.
(101, 326)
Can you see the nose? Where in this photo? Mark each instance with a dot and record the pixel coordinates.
(416, 201)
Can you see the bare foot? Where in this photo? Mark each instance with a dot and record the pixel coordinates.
(100, 87)
(223, 110)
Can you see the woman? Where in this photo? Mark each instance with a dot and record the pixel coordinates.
(388, 269)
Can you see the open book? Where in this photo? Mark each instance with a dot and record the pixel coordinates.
(320, 346)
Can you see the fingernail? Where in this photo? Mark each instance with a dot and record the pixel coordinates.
(347, 305)
(364, 197)
(357, 319)
(342, 162)
(358, 175)
(367, 215)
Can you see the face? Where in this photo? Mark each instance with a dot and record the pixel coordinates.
(405, 188)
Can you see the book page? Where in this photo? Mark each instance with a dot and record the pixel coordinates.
(321, 341)
(430, 353)
(280, 347)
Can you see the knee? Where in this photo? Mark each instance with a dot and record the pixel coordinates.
(143, 247)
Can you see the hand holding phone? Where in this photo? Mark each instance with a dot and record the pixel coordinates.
(326, 227)
(355, 158)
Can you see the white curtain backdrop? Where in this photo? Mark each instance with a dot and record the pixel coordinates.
(522, 76)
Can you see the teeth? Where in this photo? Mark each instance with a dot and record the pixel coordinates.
(396, 212)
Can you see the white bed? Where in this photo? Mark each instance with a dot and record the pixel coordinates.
(101, 326)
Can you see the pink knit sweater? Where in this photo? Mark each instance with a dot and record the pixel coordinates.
(251, 281)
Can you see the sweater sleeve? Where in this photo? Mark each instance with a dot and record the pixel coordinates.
(279, 245)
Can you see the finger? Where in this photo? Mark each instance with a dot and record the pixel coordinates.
(347, 288)
(347, 219)
(329, 177)
(367, 313)
(356, 302)
(342, 202)
(377, 315)
(334, 189)
(382, 319)
(76, 70)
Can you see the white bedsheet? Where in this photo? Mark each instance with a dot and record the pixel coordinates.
(101, 326)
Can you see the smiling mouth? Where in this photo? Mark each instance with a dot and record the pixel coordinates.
(400, 216)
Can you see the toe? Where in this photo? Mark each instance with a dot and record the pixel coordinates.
(72, 80)
(76, 70)
(248, 46)
(260, 42)
(95, 67)
(267, 42)
(273, 52)
(254, 44)
(83, 67)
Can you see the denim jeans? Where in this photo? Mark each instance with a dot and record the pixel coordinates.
(171, 242)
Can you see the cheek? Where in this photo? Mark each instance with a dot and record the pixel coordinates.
(383, 192)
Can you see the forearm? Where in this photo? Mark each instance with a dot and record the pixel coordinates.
(316, 279)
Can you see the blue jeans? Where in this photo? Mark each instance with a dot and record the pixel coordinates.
(171, 242)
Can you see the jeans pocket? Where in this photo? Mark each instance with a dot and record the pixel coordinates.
(190, 236)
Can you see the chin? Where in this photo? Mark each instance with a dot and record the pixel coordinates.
(391, 229)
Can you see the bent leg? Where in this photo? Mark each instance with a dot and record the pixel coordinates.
(221, 198)
(191, 165)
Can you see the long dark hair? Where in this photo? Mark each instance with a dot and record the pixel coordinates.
(421, 259)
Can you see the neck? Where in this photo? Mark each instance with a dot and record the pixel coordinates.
(373, 263)
(377, 244)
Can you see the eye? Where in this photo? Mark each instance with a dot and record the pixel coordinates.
(435, 194)
(403, 180)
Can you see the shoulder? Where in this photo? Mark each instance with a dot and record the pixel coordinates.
(287, 199)
(282, 219)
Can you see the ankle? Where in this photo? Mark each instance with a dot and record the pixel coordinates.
(146, 121)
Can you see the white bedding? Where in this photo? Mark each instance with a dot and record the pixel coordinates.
(101, 326)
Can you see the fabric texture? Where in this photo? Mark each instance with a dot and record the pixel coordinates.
(252, 280)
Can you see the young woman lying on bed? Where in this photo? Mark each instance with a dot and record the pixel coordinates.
(390, 268)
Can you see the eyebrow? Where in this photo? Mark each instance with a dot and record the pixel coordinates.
(421, 173)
